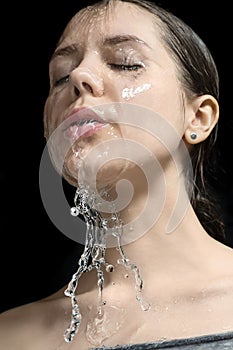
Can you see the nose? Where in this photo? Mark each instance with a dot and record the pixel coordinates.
(86, 81)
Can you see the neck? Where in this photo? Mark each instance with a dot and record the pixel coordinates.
(160, 254)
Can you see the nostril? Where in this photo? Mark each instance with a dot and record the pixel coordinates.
(77, 92)
(87, 87)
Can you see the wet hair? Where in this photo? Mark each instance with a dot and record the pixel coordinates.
(198, 75)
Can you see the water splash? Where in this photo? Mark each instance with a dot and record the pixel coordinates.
(145, 306)
(98, 230)
(99, 329)
(92, 256)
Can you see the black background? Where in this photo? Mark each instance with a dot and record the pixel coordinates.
(36, 258)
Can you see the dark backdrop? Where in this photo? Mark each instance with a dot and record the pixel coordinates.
(36, 258)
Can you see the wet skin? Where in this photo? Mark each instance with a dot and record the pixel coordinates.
(187, 275)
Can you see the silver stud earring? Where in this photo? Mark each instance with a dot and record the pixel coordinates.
(193, 135)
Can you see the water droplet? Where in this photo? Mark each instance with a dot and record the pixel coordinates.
(162, 339)
(145, 306)
(109, 268)
(226, 328)
(74, 211)
(79, 164)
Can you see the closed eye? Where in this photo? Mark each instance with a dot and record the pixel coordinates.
(125, 67)
(62, 80)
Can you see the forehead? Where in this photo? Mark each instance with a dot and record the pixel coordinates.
(95, 23)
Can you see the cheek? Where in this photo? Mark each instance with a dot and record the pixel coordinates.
(160, 92)
(54, 110)
(157, 111)
(166, 101)
(151, 142)
(47, 113)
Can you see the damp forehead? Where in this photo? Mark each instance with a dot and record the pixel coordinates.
(118, 18)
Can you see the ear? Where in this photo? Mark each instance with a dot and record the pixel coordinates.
(202, 119)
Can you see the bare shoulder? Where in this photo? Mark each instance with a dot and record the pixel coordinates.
(13, 327)
(29, 327)
(222, 262)
(220, 282)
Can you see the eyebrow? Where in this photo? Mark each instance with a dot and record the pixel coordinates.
(109, 41)
(65, 51)
(117, 39)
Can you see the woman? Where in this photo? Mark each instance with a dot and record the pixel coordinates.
(134, 96)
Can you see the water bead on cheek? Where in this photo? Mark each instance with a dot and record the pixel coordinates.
(113, 132)
(128, 93)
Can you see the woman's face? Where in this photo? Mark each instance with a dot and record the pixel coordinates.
(112, 59)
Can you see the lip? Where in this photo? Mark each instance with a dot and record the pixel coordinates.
(73, 129)
(81, 114)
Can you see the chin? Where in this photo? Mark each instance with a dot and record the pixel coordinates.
(77, 171)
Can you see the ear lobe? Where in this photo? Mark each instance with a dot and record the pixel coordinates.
(203, 120)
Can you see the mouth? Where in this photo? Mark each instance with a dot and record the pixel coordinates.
(82, 122)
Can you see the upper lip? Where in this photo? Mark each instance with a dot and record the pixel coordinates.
(79, 114)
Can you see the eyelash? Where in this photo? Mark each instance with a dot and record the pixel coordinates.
(120, 67)
(62, 80)
(125, 67)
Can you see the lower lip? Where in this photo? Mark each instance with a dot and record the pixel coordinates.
(74, 132)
